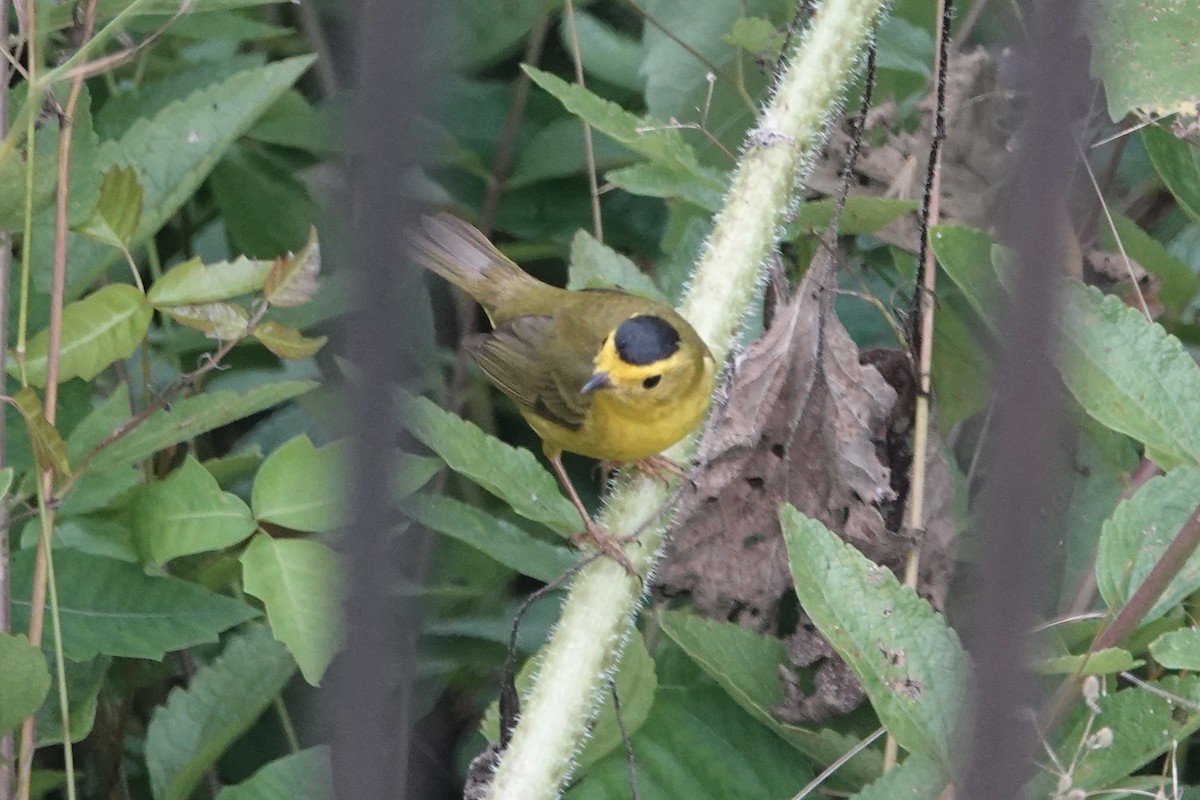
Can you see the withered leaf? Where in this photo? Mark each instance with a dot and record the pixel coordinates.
(804, 422)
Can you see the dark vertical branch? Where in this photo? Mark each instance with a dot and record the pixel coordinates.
(373, 708)
(1017, 508)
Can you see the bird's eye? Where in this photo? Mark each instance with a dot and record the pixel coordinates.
(651, 382)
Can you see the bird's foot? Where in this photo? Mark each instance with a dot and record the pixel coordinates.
(609, 544)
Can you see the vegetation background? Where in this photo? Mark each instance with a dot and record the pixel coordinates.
(173, 196)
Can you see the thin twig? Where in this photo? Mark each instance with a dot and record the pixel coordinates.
(1172, 560)
(6, 741)
(43, 563)
(588, 147)
(630, 760)
(926, 301)
(816, 782)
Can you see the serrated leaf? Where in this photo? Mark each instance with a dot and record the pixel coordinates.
(1134, 539)
(636, 685)
(1179, 282)
(1145, 51)
(1179, 649)
(657, 142)
(1108, 661)
(1131, 375)
(49, 450)
(188, 418)
(498, 538)
(222, 321)
(512, 474)
(861, 215)
(195, 283)
(187, 513)
(116, 216)
(299, 582)
(193, 728)
(24, 680)
(1175, 159)
(287, 342)
(175, 150)
(596, 265)
(292, 280)
(910, 664)
(113, 607)
(104, 327)
(300, 776)
(1144, 725)
(745, 664)
(302, 487)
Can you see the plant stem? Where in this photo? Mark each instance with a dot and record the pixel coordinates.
(598, 613)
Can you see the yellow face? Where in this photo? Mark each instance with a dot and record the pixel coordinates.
(644, 363)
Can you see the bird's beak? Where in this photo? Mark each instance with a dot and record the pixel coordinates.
(598, 381)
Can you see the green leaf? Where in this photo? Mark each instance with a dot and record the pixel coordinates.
(265, 207)
(966, 256)
(24, 680)
(498, 538)
(656, 180)
(300, 776)
(99, 424)
(299, 582)
(746, 665)
(1143, 725)
(1179, 282)
(961, 370)
(195, 726)
(287, 343)
(910, 664)
(915, 778)
(413, 472)
(1175, 160)
(755, 35)
(116, 216)
(192, 416)
(49, 450)
(195, 283)
(1108, 661)
(224, 322)
(698, 745)
(595, 265)
(104, 327)
(113, 607)
(1145, 51)
(1137, 535)
(292, 280)
(97, 488)
(861, 215)
(302, 487)
(606, 54)
(512, 474)
(187, 513)
(84, 681)
(1179, 649)
(6, 479)
(84, 176)
(1132, 376)
(175, 150)
(660, 144)
(636, 685)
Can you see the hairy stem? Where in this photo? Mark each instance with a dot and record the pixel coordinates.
(597, 615)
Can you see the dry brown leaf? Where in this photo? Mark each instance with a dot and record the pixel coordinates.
(803, 423)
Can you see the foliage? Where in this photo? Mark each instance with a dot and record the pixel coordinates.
(179, 434)
(182, 480)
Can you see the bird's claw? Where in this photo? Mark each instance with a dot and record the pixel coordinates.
(608, 544)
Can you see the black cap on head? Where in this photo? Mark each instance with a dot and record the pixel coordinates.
(645, 339)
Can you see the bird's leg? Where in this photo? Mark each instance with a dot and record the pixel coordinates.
(610, 545)
(659, 467)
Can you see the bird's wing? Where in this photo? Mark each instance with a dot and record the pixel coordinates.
(519, 358)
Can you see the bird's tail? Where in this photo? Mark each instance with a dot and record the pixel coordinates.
(462, 255)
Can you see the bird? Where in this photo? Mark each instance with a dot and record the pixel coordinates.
(604, 373)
